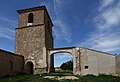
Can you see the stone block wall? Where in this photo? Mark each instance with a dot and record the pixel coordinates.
(30, 43)
(49, 39)
(117, 59)
(10, 64)
(38, 18)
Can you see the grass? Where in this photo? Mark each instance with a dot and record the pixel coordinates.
(100, 78)
(60, 73)
(25, 78)
(38, 78)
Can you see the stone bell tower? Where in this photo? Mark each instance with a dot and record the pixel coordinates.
(33, 38)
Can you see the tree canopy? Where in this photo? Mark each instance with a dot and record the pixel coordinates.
(67, 65)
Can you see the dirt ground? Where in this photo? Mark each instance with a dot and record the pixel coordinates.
(61, 78)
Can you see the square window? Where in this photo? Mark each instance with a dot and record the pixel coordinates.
(86, 67)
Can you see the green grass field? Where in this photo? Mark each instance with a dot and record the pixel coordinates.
(38, 78)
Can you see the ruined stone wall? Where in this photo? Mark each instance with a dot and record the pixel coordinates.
(117, 58)
(96, 62)
(10, 64)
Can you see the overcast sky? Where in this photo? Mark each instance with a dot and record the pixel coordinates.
(93, 24)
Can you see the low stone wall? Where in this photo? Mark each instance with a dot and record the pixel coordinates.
(117, 58)
(10, 64)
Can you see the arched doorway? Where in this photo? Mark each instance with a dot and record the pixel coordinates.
(74, 51)
(63, 62)
(52, 60)
(29, 67)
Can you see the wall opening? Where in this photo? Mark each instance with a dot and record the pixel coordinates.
(62, 62)
(86, 67)
(11, 66)
(30, 18)
(29, 67)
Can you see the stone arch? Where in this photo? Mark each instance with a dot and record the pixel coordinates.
(69, 53)
(62, 52)
(29, 67)
(72, 50)
(51, 52)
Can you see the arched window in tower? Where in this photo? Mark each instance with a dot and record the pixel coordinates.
(30, 18)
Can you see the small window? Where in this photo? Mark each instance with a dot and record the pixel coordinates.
(30, 18)
(11, 66)
(86, 67)
(48, 24)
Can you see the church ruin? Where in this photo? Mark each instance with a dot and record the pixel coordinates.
(34, 46)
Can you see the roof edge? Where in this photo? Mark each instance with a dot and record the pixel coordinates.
(31, 9)
(97, 51)
(10, 52)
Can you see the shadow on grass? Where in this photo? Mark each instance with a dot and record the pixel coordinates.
(25, 78)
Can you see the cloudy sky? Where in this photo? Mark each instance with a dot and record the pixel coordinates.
(93, 24)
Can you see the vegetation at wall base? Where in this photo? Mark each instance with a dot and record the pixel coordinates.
(38, 78)
(59, 73)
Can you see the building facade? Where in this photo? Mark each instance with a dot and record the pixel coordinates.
(34, 37)
(35, 50)
(88, 61)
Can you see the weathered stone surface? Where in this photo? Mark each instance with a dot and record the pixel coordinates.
(38, 18)
(10, 64)
(117, 58)
(32, 41)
